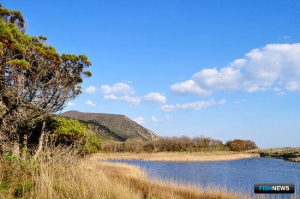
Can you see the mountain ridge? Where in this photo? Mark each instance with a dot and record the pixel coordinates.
(112, 126)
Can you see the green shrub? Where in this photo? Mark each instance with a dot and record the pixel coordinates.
(71, 132)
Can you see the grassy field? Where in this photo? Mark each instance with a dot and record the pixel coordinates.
(175, 156)
(61, 174)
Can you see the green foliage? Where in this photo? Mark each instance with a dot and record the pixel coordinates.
(69, 127)
(35, 82)
(19, 63)
(9, 157)
(70, 131)
(24, 187)
(92, 144)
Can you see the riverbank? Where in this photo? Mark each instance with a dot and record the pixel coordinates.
(137, 180)
(175, 156)
(287, 154)
(62, 174)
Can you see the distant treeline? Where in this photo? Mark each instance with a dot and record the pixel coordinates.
(177, 144)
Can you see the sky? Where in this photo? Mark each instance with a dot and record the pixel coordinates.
(221, 69)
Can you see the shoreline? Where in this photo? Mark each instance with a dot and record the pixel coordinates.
(138, 181)
(175, 156)
(288, 154)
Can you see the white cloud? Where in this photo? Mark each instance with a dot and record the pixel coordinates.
(292, 85)
(168, 117)
(196, 105)
(90, 103)
(155, 98)
(191, 106)
(139, 120)
(90, 89)
(131, 100)
(188, 87)
(267, 68)
(167, 108)
(71, 104)
(101, 106)
(154, 119)
(110, 97)
(222, 101)
(117, 88)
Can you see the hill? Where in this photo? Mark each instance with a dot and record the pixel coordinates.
(112, 126)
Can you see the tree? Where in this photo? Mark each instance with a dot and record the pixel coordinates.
(241, 145)
(35, 81)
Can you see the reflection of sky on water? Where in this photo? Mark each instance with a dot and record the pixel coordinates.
(235, 175)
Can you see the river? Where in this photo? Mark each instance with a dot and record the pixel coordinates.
(239, 175)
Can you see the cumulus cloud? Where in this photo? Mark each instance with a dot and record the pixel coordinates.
(117, 88)
(267, 68)
(90, 103)
(154, 119)
(110, 97)
(139, 120)
(155, 98)
(126, 98)
(188, 87)
(167, 108)
(90, 89)
(131, 100)
(71, 104)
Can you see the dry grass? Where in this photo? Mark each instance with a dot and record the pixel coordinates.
(59, 173)
(134, 177)
(175, 156)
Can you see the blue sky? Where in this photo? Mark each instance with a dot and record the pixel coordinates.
(222, 69)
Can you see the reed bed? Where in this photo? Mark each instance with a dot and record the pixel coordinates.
(175, 156)
(60, 174)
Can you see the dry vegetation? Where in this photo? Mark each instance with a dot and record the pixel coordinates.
(175, 156)
(289, 153)
(178, 144)
(60, 173)
(134, 177)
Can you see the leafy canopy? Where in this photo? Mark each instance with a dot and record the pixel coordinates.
(35, 81)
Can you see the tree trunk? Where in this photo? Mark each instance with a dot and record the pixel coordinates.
(15, 148)
(14, 144)
(41, 140)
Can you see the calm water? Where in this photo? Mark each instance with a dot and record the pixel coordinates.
(238, 175)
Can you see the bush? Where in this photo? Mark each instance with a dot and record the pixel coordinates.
(240, 145)
(71, 132)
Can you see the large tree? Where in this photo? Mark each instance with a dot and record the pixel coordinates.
(35, 81)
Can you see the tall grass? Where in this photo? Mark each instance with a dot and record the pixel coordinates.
(61, 173)
(58, 173)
